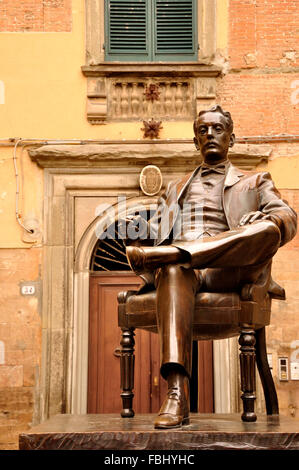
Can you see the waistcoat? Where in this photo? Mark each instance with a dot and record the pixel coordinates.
(202, 213)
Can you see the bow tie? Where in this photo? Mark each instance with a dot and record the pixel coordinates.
(207, 169)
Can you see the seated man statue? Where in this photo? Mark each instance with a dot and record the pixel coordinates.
(214, 230)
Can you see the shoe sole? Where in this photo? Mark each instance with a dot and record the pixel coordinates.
(185, 422)
(134, 269)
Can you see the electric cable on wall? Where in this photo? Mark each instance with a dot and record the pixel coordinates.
(18, 215)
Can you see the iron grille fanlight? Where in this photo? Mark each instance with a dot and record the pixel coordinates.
(109, 255)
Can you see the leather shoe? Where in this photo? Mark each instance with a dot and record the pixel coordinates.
(136, 259)
(147, 259)
(174, 412)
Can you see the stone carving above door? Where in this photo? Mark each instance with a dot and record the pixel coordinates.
(151, 180)
(127, 98)
(173, 94)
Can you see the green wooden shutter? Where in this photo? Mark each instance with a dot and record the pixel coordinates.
(127, 36)
(148, 30)
(175, 30)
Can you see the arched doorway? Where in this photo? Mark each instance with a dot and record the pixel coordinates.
(70, 238)
(110, 274)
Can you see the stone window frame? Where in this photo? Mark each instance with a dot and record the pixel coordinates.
(102, 75)
(95, 31)
(151, 51)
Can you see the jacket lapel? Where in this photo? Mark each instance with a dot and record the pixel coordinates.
(185, 181)
(231, 211)
(172, 203)
(233, 175)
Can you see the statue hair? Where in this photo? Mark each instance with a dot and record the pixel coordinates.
(215, 109)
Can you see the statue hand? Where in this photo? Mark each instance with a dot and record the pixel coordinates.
(122, 227)
(125, 221)
(251, 217)
(133, 227)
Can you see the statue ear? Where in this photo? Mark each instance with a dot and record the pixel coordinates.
(232, 140)
(196, 143)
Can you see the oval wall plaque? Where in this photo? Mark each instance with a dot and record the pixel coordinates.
(150, 180)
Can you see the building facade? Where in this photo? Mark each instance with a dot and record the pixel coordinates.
(90, 94)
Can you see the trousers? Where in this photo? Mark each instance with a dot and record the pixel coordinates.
(222, 263)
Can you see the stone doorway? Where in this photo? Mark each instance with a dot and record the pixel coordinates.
(76, 179)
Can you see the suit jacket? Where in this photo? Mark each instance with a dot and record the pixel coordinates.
(243, 192)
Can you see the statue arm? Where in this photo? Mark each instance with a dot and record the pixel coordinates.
(155, 221)
(275, 208)
(146, 229)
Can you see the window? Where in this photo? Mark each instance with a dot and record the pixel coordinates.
(150, 30)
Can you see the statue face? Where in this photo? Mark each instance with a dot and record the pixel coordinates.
(213, 137)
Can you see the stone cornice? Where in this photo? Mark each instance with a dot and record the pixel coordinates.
(246, 156)
(176, 69)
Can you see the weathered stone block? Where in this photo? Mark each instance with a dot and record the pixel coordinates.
(11, 376)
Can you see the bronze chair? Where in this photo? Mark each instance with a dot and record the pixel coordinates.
(217, 316)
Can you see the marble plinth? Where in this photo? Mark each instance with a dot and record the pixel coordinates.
(206, 432)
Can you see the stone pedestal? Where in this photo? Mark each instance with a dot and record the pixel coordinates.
(206, 432)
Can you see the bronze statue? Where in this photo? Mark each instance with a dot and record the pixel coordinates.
(214, 230)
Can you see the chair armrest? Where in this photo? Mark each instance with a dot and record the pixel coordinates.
(123, 296)
(276, 291)
(254, 292)
(257, 291)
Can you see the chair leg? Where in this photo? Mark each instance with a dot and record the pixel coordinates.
(247, 363)
(265, 373)
(127, 360)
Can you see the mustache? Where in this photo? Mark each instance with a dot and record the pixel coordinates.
(211, 142)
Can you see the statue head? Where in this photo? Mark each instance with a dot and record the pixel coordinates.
(213, 129)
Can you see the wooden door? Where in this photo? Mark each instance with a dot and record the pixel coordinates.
(103, 360)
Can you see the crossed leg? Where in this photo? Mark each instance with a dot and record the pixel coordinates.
(244, 246)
